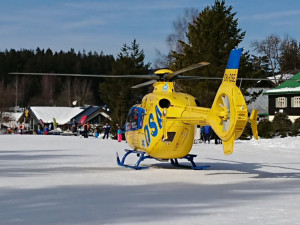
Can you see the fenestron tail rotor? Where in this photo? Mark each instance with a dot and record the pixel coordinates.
(226, 106)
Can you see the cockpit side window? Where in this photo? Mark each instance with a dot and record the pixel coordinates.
(141, 119)
(135, 119)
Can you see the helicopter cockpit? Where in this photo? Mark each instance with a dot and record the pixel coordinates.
(135, 119)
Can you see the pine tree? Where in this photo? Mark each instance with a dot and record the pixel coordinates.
(210, 38)
(117, 93)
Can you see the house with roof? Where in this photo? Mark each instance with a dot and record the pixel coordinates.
(37, 117)
(285, 98)
(94, 115)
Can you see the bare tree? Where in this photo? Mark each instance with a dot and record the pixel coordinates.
(6, 101)
(278, 56)
(290, 54)
(180, 28)
(48, 87)
(270, 49)
(82, 90)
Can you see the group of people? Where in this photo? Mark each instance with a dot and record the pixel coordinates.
(87, 127)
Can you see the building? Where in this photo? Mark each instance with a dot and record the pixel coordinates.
(94, 115)
(285, 98)
(37, 117)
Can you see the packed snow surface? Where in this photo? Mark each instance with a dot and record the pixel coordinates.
(61, 180)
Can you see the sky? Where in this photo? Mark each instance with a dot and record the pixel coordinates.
(107, 25)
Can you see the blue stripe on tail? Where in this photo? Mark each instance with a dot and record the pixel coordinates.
(234, 59)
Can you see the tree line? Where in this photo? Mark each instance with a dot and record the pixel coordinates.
(51, 90)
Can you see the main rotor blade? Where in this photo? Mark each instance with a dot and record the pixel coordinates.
(191, 67)
(142, 76)
(144, 84)
(178, 77)
(149, 76)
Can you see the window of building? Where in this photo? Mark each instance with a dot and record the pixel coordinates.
(281, 102)
(295, 103)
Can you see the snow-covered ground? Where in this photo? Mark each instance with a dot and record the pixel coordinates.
(71, 180)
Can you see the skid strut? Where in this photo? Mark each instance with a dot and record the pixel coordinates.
(190, 158)
(137, 166)
(142, 156)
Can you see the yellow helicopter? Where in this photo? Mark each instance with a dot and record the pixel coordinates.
(163, 125)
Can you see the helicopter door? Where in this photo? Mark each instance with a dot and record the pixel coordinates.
(135, 119)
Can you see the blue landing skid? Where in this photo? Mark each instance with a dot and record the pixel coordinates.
(142, 156)
(137, 165)
(190, 158)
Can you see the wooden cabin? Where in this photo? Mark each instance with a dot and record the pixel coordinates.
(285, 98)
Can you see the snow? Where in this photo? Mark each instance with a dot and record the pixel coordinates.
(260, 103)
(290, 89)
(61, 180)
(285, 76)
(61, 114)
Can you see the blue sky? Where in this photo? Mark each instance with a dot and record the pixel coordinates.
(107, 25)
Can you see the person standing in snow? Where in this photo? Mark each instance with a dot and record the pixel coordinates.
(106, 131)
(207, 134)
(74, 126)
(46, 130)
(86, 129)
(202, 134)
(119, 134)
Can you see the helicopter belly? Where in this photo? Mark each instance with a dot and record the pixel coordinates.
(179, 142)
(176, 146)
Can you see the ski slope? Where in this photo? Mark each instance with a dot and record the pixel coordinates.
(57, 180)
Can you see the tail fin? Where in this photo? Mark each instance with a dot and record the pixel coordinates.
(253, 120)
(232, 67)
(229, 114)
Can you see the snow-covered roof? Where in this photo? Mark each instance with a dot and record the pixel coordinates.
(296, 89)
(61, 114)
(282, 76)
(105, 115)
(290, 86)
(13, 116)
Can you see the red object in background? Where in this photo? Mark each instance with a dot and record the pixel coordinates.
(82, 120)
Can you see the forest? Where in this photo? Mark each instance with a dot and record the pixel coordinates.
(48, 90)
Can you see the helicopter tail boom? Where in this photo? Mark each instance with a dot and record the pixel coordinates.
(229, 115)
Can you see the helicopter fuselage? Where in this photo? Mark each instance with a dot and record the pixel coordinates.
(163, 125)
(149, 131)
